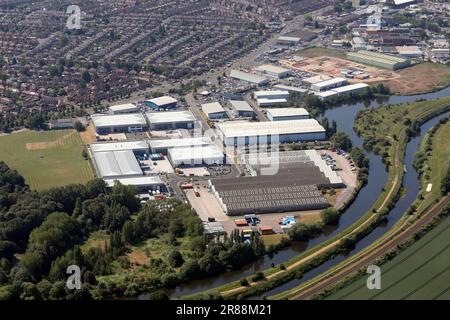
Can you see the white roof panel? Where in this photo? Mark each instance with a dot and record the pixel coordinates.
(117, 163)
(288, 112)
(136, 181)
(170, 117)
(133, 119)
(162, 101)
(117, 146)
(241, 105)
(196, 153)
(249, 77)
(123, 107)
(213, 107)
(186, 142)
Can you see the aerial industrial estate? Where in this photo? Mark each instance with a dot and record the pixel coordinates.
(260, 150)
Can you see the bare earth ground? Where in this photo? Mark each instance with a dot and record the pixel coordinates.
(88, 136)
(420, 78)
(49, 144)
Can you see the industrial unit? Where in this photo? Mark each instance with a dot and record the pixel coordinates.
(171, 120)
(379, 60)
(143, 184)
(249, 78)
(106, 124)
(123, 109)
(161, 103)
(342, 91)
(290, 41)
(270, 98)
(214, 111)
(195, 156)
(328, 84)
(291, 89)
(315, 79)
(137, 146)
(283, 114)
(412, 52)
(274, 71)
(239, 133)
(117, 164)
(163, 145)
(243, 109)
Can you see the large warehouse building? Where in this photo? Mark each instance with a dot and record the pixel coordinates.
(106, 124)
(161, 103)
(171, 120)
(143, 184)
(249, 78)
(379, 60)
(240, 133)
(123, 109)
(273, 71)
(117, 164)
(195, 156)
(283, 114)
(214, 111)
(295, 187)
(163, 145)
(137, 146)
(329, 84)
(243, 109)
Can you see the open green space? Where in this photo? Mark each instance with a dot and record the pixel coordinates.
(419, 272)
(46, 159)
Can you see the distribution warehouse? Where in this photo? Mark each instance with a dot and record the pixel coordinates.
(123, 109)
(214, 111)
(198, 155)
(283, 114)
(274, 71)
(137, 146)
(163, 145)
(171, 120)
(379, 60)
(244, 133)
(161, 103)
(106, 124)
(249, 77)
(243, 109)
(117, 164)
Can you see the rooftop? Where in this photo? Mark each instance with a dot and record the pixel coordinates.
(244, 129)
(122, 107)
(241, 105)
(329, 82)
(170, 116)
(272, 69)
(101, 120)
(316, 79)
(265, 93)
(117, 163)
(185, 142)
(136, 181)
(118, 146)
(213, 107)
(162, 101)
(196, 152)
(249, 77)
(288, 112)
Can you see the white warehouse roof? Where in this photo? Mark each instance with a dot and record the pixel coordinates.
(248, 77)
(170, 117)
(271, 93)
(245, 129)
(330, 82)
(162, 101)
(119, 120)
(272, 69)
(174, 143)
(241, 105)
(117, 163)
(136, 181)
(316, 79)
(350, 88)
(123, 107)
(288, 112)
(213, 107)
(119, 146)
(196, 154)
(290, 88)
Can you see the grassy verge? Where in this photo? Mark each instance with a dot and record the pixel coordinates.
(368, 125)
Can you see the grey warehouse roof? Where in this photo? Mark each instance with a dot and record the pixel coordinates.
(213, 107)
(119, 120)
(241, 105)
(118, 146)
(117, 163)
(185, 142)
(162, 101)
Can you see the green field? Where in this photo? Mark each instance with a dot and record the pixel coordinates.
(421, 271)
(46, 159)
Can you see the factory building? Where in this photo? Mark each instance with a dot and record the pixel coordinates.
(271, 94)
(161, 103)
(214, 111)
(403, 3)
(163, 145)
(196, 156)
(273, 71)
(171, 120)
(342, 91)
(123, 109)
(142, 184)
(249, 78)
(239, 133)
(289, 41)
(117, 164)
(264, 102)
(284, 114)
(315, 79)
(379, 60)
(329, 84)
(139, 147)
(291, 89)
(106, 124)
(243, 109)
(412, 52)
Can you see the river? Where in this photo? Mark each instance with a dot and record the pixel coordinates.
(344, 116)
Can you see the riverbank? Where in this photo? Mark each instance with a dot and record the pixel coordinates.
(379, 210)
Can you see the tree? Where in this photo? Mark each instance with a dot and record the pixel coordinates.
(445, 185)
(341, 140)
(86, 76)
(175, 259)
(79, 126)
(330, 216)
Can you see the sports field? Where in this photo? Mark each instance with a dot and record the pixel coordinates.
(46, 159)
(422, 271)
